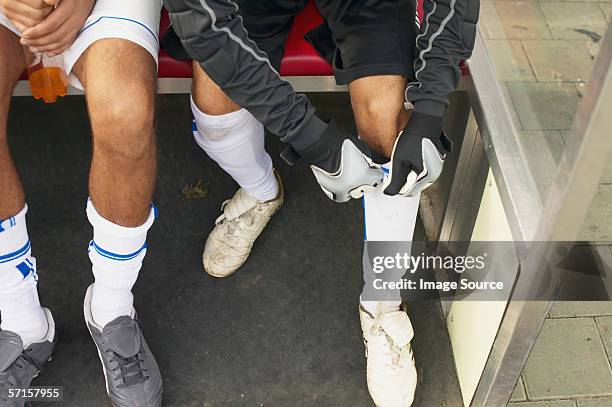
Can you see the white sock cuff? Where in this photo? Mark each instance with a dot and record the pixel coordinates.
(115, 240)
(23, 315)
(219, 121)
(14, 241)
(13, 221)
(217, 134)
(266, 189)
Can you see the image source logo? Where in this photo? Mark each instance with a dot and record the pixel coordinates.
(411, 264)
(480, 271)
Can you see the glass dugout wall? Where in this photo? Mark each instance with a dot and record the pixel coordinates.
(533, 168)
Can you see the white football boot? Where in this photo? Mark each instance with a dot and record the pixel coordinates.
(242, 221)
(391, 372)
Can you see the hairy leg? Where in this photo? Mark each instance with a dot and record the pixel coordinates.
(378, 104)
(19, 303)
(12, 64)
(119, 81)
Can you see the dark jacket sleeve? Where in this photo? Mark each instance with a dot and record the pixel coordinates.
(213, 34)
(446, 38)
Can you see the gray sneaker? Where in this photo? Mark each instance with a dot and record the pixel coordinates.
(20, 363)
(131, 372)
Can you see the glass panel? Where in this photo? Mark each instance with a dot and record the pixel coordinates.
(543, 53)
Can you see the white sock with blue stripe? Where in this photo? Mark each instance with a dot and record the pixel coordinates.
(19, 304)
(116, 253)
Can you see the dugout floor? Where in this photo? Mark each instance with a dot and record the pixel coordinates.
(284, 331)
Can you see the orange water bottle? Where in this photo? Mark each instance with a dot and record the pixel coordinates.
(47, 77)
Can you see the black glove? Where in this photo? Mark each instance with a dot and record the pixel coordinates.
(418, 156)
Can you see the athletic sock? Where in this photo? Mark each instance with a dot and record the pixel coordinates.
(116, 253)
(392, 219)
(19, 303)
(236, 142)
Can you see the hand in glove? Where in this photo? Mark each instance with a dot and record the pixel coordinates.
(418, 156)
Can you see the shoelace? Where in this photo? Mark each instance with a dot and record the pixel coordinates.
(397, 353)
(131, 370)
(234, 225)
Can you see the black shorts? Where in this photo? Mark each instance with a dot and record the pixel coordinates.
(359, 37)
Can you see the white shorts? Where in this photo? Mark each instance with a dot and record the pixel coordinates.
(134, 20)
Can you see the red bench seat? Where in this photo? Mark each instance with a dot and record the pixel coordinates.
(300, 58)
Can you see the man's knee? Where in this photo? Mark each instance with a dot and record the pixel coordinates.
(376, 114)
(119, 81)
(208, 96)
(379, 110)
(122, 121)
(379, 122)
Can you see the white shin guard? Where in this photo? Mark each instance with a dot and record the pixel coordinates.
(392, 219)
(116, 254)
(236, 142)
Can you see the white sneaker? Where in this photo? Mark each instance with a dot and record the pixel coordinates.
(242, 221)
(391, 373)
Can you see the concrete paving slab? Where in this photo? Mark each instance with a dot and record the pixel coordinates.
(573, 309)
(604, 324)
(597, 227)
(578, 1)
(584, 21)
(568, 349)
(519, 391)
(543, 151)
(560, 60)
(554, 403)
(510, 60)
(607, 10)
(544, 106)
(568, 135)
(513, 20)
(595, 402)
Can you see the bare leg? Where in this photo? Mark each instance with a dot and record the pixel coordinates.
(378, 104)
(119, 81)
(12, 64)
(209, 97)
(19, 303)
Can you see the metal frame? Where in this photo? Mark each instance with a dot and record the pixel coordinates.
(464, 198)
(436, 199)
(582, 165)
(508, 162)
(183, 85)
(468, 185)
